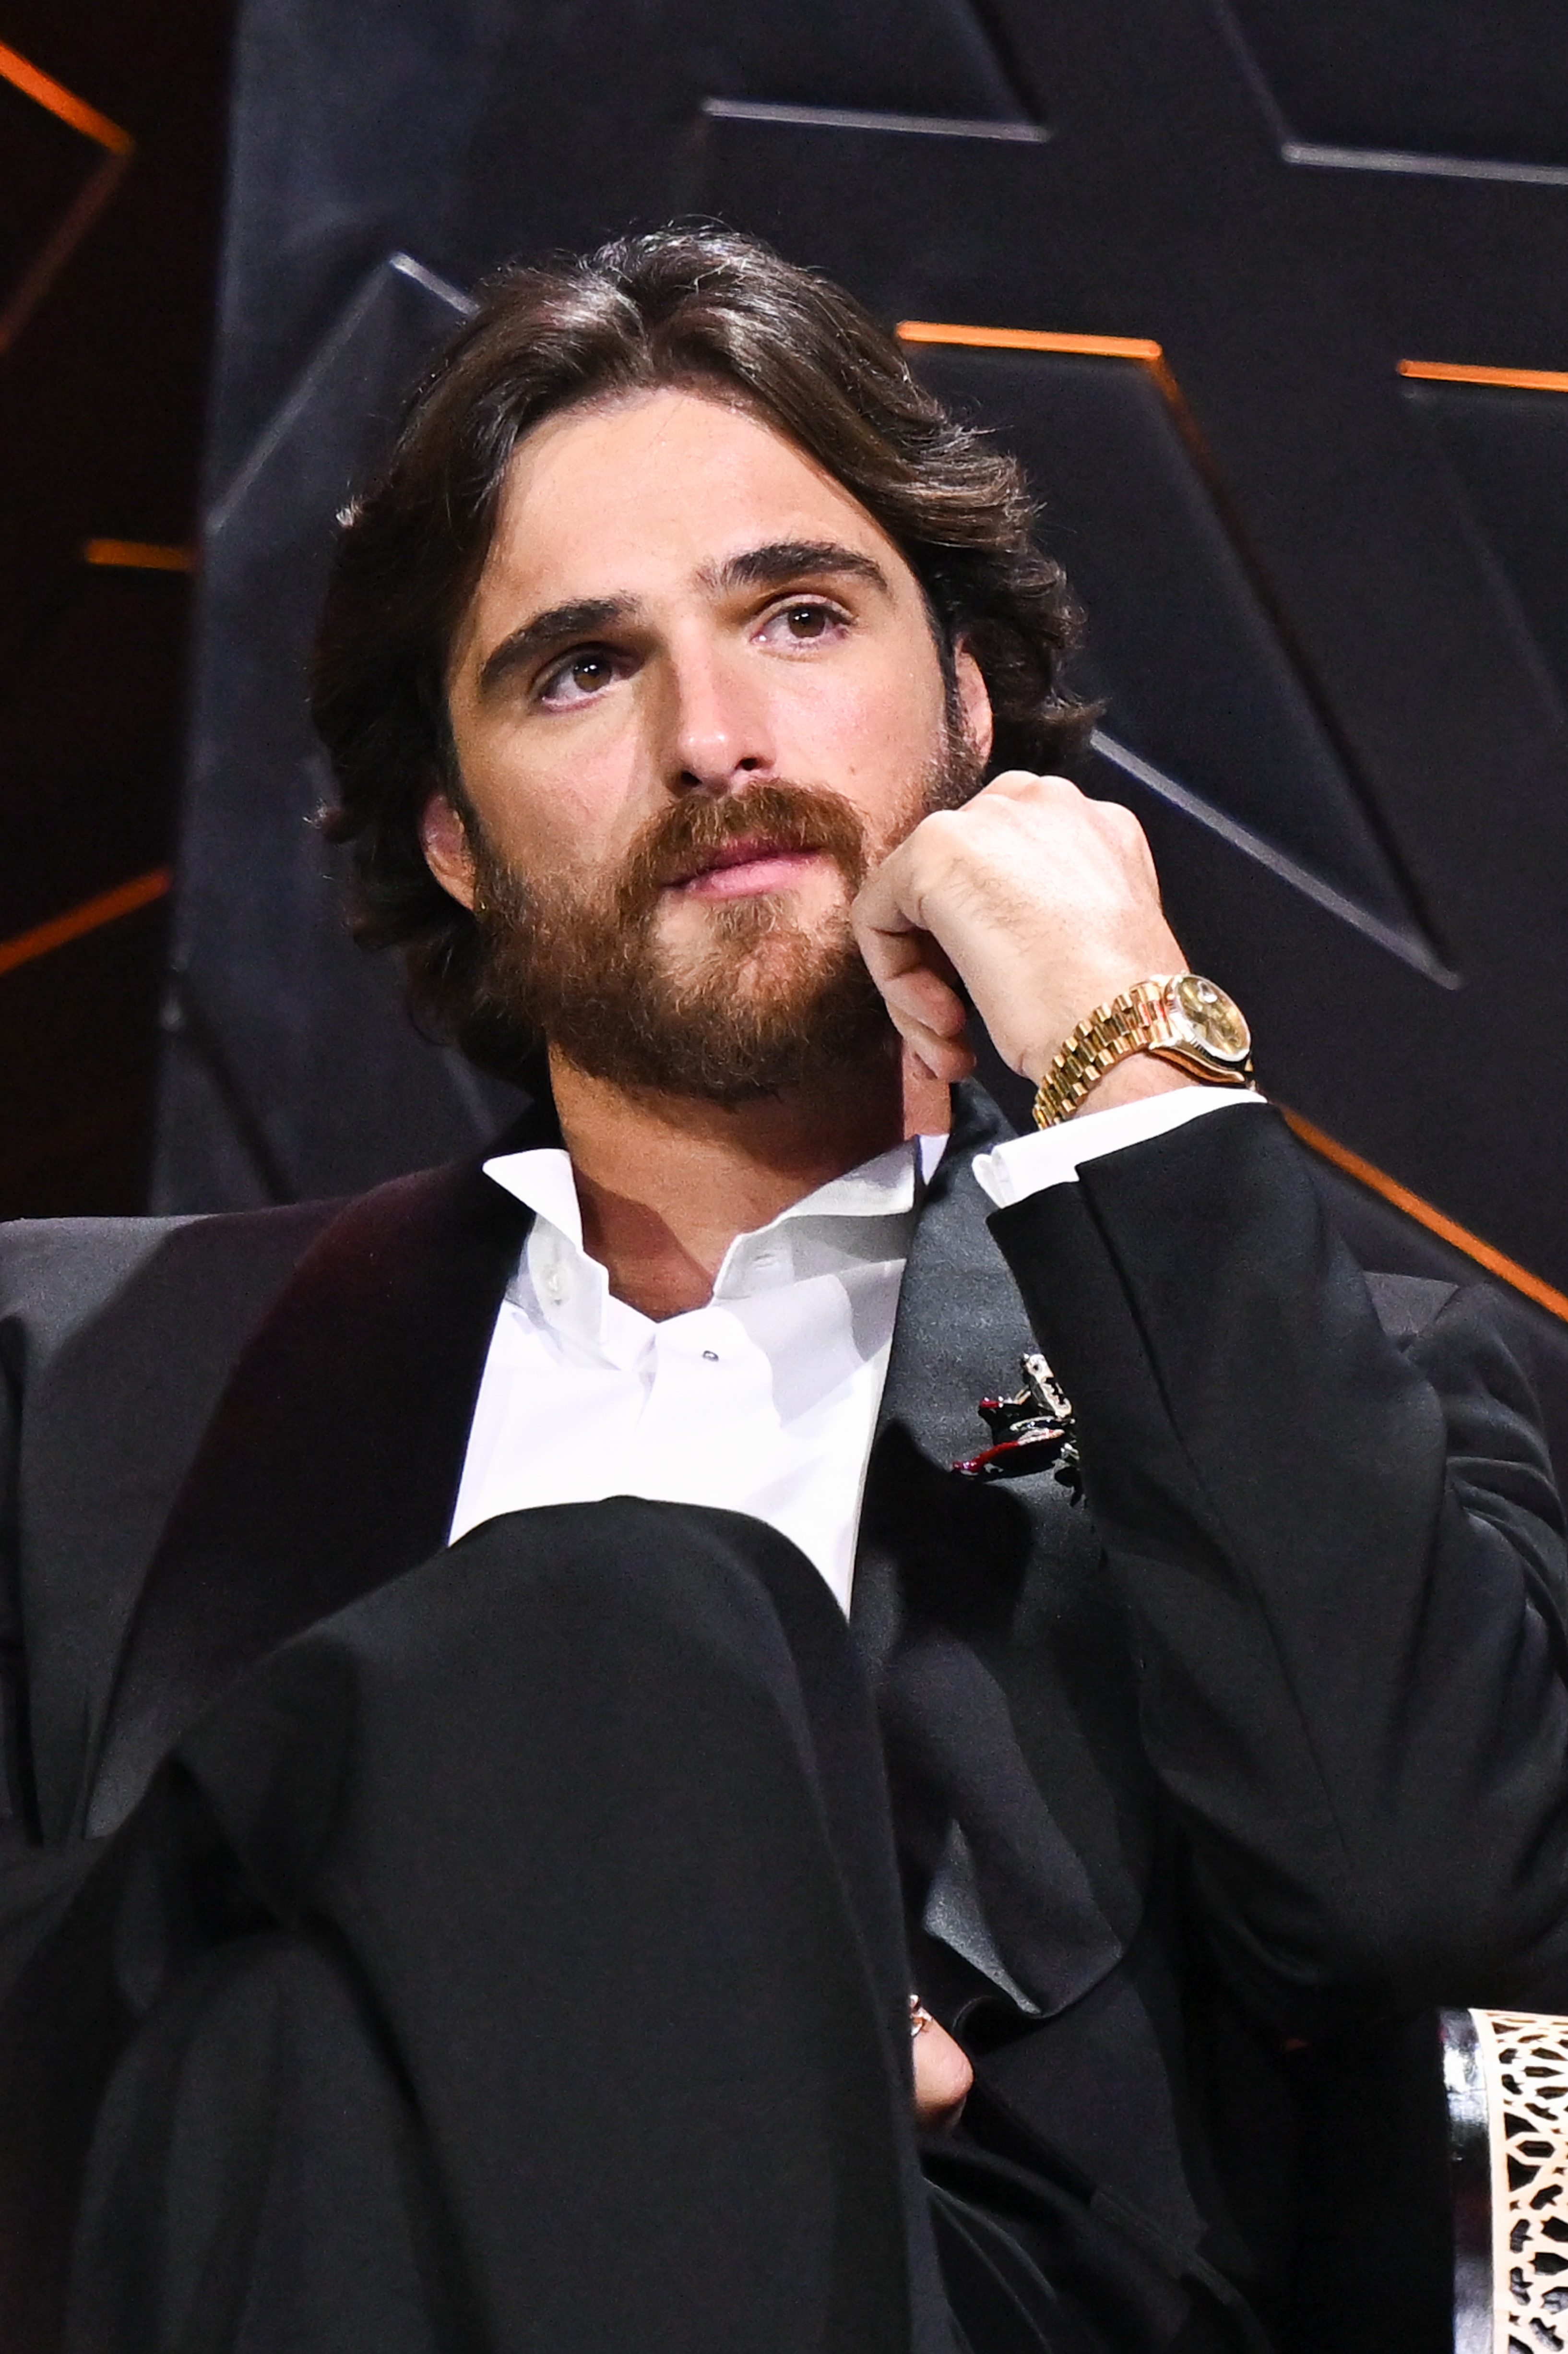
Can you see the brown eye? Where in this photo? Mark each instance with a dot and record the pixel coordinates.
(577, 677)
(805, 620)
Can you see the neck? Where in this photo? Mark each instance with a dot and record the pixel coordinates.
(666, 1182)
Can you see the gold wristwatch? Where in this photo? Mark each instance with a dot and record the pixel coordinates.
(1184, 1019)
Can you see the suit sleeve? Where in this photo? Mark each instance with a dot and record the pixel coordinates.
(1343, 1569)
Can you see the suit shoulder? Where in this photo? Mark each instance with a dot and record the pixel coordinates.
(59, 1274)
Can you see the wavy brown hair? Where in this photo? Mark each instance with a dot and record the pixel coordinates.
(697, 307)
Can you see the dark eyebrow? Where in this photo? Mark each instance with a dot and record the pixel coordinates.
(756, 568)
(787, 559)
(555, 626)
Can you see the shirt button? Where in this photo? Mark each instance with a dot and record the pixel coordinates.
(556, 1286)
(711, 1356)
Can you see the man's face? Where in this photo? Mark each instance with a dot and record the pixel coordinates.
(695, 695)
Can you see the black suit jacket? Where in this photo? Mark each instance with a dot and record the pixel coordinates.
(1205, 1786)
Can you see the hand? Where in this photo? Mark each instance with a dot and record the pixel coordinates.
(942, 2076)
(1043, 902)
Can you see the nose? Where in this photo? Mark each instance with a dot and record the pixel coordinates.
(720, 736)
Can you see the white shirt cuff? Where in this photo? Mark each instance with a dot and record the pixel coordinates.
(1052, 1156)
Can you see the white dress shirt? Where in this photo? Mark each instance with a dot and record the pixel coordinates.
(763, 1401)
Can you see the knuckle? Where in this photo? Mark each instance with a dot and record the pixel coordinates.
(941, 826)
(933, 845)
(1119, 821)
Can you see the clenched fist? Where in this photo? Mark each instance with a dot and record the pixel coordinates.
(1043, 902)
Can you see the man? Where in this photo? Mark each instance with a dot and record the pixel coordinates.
(469, 1877)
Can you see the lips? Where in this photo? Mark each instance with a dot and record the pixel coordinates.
(755, 863)
(735, 853)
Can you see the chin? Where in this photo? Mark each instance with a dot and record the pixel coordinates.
(752, 925)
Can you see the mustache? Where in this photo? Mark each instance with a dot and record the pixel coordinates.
(680, 841)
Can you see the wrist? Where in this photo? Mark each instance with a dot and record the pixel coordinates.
(1037, 1060)
(1133, 1080)
(1179, 1021)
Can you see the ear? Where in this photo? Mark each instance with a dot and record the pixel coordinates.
(443, 838)
(974, 701)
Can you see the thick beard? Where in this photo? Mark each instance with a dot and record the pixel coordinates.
(770, 1004)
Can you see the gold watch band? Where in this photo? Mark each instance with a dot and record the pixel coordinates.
(1139, 1022)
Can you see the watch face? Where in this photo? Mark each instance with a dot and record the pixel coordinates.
(1211, 1021)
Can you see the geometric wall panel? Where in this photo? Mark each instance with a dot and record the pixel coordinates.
(908, 56)
(838, 193)
(483, 127)
(1199, 683)
(79, 1035)
(87, 803)
(43, 162)
(112, 115)
(1452, 82)
(60, 160)
(267, 990)
(1509, 450)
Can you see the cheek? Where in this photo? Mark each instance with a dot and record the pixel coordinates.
(870, 733)
(543, 807)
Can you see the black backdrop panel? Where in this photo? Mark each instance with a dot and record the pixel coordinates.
(1451, 78)
(1198, 679)
(1323, 599)
(239, 1043)
(1510, 452)
(464, 131)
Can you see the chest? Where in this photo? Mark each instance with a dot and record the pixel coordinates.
(763, 1403)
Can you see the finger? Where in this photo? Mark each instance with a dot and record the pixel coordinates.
(914, 972)
(920, 996)
(889, 955)
(924, 1007)
(1014, 784)
(887, 903)
(948, 1060)
(942, 2076)
(946, 1053)
(1013, 781)
(890, 952)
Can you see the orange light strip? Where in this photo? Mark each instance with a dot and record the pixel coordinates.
(1414, 1207)
(124, 900)
(57, 249)
(59, 101)
(1521, 379)
(1031, 339)
(139, 555)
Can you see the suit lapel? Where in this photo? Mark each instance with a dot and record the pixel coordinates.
(942, 1569)
(332, 1460)
(959, 1332)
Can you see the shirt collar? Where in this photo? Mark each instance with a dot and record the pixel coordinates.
(863, 1218)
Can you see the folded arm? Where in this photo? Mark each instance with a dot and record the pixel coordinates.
(1343, 1565)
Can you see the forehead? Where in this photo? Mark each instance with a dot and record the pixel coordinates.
(640, 494)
